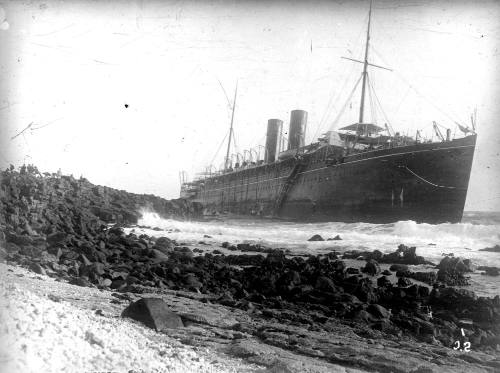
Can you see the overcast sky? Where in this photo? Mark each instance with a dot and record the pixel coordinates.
(128, 93)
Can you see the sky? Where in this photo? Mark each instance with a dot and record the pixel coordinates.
(129, 93)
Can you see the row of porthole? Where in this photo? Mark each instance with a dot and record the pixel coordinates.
(344, 172)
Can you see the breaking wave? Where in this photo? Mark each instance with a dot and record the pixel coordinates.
(432, 241)
(374, 236)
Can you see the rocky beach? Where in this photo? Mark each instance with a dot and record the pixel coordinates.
(86, 286)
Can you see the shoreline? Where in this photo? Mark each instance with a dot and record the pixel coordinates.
(315, 309)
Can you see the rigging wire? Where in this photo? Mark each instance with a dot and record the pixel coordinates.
(230, 105)
(380, 106)
(332, 102)
(218, 149)
(234, 142)
(401, 77)
(337, 118)
(373, 107)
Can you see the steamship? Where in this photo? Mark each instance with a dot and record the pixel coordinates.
(359, 173)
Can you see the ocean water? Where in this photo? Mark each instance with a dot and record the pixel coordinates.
(476, 231)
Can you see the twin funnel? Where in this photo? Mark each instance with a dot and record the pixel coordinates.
(296, 134)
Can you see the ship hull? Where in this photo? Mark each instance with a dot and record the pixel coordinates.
(420, 182)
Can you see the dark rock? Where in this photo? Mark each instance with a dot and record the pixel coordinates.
(458, 265)
(85, 260)
(386, 272)
(336, 238)
(18, 239)
(403, 274)
(326, 284)
(404, 282)
(364, 316)
(116, 230)
(164, 244)
(427, 277)
(489, 271)
(353, 254)
(106, 282)
(375, 255)
(94, 269)
(154, 313)
(494, 249)
(452, 270)
(372, 268)
(118, 284)
(423, 291)
(35, 267)
(404, 255)
(80, 281)
(398, 267)
(56, 238)
(352, 271)
(378, 311)
(383, 281)
(275, 257)
(316, 237)
(192, 282)
(158, 256)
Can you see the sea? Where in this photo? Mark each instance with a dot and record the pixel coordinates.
(477, 231)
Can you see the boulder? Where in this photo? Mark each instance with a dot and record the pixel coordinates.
(336, 238)
(80, 281)
(95, 269)
(378, 311)
(19, 239)
(452, 270)
(364, 316)
(164, 244)
(494, 249)
(383, 281)
(404, 282)
(398, 268)
(35, 267)
(375, 255)
(275, 257)
(316, 237)
(116, 230)
(372, 268)
(154, 313)
(192, 282)
(106, 282)
(405, 255)
(157, 255)
(427, 277)
(325, 284)
(455, 264)
(56, 238)
(489, 271)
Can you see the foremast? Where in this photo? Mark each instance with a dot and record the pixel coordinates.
(365, 68)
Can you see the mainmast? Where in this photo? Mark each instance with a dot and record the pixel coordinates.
(231, 128)
(365, 66)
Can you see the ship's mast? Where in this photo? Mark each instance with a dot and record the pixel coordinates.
(365, 66)
(231, 128)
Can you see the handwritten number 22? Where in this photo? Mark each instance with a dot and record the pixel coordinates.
(466, 348)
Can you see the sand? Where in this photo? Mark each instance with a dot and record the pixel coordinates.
(43, 332)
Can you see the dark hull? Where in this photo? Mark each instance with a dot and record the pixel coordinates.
(421, 182)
